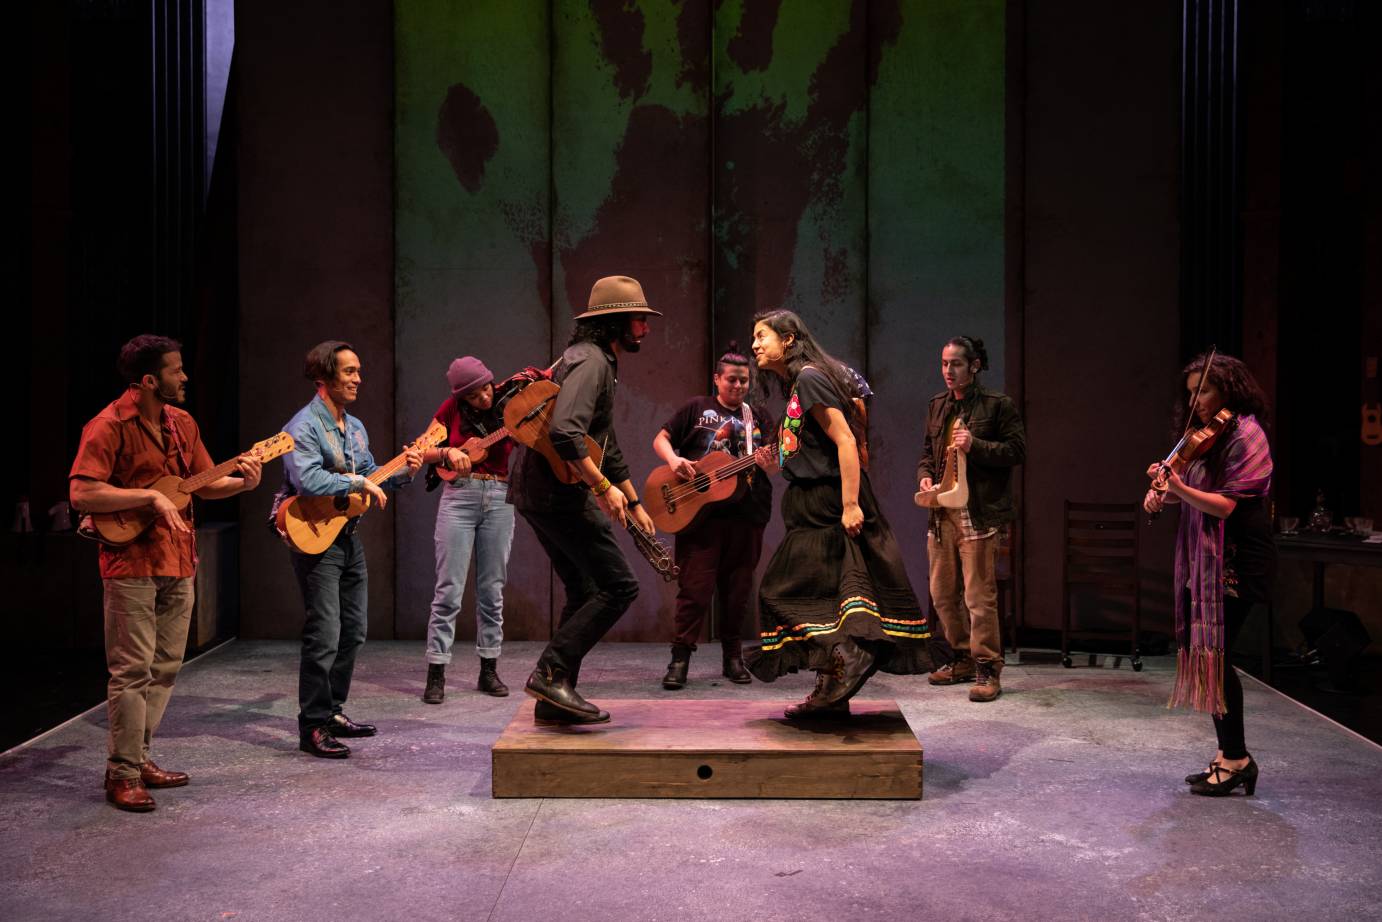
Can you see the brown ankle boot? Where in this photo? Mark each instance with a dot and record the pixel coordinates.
(986, 686)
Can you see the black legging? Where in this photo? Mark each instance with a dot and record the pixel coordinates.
(1229, 727)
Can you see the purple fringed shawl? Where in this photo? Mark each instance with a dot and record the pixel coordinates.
(1241, 469)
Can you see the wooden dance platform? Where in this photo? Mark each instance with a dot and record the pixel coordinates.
(711, 748)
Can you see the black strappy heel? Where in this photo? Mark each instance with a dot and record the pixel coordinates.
(1222, 781)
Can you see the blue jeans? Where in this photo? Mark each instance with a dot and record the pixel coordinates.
(474, 515)
(335, 590)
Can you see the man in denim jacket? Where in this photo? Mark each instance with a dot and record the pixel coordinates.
(332, 458)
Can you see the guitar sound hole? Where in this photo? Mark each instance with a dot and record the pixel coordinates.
(342, 503)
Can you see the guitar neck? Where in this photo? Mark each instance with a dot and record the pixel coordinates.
(385, 471)
(198, 481)
(495, 436)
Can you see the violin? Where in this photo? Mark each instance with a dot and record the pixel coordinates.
(1195, 444)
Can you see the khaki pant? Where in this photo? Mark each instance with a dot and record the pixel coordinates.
(146, 635)
(964, 591)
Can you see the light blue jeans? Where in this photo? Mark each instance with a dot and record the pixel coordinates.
(473, 516)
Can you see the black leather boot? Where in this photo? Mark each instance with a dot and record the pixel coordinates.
(734, 669)
(489, 682)
(436, 684)
(552, 685)
(547, 713)
(676, 669)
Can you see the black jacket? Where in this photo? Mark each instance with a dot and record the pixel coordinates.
(1000, 444)
(585, 406)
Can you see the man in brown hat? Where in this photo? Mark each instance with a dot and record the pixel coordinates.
(573, 522)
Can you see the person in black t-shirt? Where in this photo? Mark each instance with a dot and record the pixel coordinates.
(835, 597)
(720, 549)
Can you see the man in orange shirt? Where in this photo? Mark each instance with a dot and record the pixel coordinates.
(137, 439)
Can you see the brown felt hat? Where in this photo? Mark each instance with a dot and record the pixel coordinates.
(617, 294)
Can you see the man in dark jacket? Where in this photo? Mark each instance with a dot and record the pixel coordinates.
(963, 543)
(572, 521)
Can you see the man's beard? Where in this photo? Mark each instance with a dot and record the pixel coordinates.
(629, 343)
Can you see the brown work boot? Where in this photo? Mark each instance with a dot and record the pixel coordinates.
(129, 794)
(962, 670)
(825, 700)
(986, 687)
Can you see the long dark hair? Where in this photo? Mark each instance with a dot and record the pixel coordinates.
(599, 330)
(804, 351)
(1242, 394)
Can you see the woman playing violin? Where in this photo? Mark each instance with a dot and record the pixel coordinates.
(1224, 555)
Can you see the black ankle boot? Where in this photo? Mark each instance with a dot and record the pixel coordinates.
(436, 684)
(489, 679)
(677, 668)
(550, 684)
(734, 669)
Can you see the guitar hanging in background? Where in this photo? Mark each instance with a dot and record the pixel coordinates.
(1372, 411)
(311, 523)
(120, 528)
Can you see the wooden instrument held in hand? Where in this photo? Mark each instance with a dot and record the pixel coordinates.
(311, 523)
(120, 528)
(952, 492)
(673, 503)
(1192, 446)
(653, 551)
(527, 416)
(476, 449)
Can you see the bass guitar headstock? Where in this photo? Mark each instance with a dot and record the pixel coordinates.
(272, 447)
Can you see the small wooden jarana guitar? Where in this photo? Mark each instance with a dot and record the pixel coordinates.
(527, 416)
(476, 449)
(674, 503)
(120, 528)
(311, 523)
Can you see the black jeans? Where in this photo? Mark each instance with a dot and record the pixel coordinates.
(600, 585)
(718, 553)
(334, 588)
(1229, 727)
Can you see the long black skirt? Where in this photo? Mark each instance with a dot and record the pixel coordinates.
(823, 587)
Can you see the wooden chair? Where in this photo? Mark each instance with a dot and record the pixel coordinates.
(1101, 553)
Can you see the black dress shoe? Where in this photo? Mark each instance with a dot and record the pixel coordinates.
(320, 743)
(341, 725)
(734, 670)
(552, 686)
(547, 713)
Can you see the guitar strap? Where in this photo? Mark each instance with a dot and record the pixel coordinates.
(746, 413)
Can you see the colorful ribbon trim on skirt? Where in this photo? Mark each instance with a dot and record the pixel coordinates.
(855, 605)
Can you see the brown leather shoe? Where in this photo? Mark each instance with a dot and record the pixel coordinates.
(986, 687)
(129, 794)
(155, 777)
(826, 700)
(962, 670)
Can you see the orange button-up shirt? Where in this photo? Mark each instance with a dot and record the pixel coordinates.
(119, 448)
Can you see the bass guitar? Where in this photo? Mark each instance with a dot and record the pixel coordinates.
(476, 449)
(673, 503)
(120, 528)
(527, 417)
(311, 523)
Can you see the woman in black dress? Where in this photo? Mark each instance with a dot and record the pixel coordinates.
(835, 597)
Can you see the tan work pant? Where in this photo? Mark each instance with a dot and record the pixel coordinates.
(146, 634)
(964, 591)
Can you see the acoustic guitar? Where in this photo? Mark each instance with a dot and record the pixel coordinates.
(527, 417)
(120, 528)
(311, 523)
(673, 503)
(476, 449)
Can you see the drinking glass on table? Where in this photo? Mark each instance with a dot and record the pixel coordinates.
(1289, 524)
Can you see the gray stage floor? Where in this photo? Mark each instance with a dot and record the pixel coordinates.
(1062, 799)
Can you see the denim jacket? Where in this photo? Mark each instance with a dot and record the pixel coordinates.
(325, 461)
